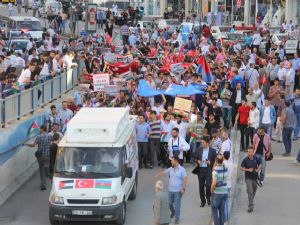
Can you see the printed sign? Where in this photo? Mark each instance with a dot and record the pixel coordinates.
(177, 68)
(111, 90)
(109, 57)
(100, 81)
(182, 106)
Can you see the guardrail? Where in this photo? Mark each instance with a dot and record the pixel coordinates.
(14, 106)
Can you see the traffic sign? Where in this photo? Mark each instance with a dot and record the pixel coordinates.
(91, 17)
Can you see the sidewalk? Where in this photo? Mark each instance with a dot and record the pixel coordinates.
(277, 202)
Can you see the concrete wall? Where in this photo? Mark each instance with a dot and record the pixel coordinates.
(16, 170)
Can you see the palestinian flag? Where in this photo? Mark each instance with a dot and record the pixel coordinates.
(164, 136)
(33, 130)
(193, 137)
(66, 184)
(204, 70)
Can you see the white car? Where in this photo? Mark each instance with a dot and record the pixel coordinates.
(170, 24)
(290, 44)
(55, 5)
(148, 25)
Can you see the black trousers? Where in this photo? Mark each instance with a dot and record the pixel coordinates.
(204, 178)
(154, 147)
(234, 112)
(164, 153)
(251, 132)
(244, 133)
(143, 153)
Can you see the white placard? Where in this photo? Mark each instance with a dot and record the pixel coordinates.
(100, 81)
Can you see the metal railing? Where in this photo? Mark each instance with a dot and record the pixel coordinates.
(14, 106)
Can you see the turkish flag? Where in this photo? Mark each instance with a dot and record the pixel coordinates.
(84, 184)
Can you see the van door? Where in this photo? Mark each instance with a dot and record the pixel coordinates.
(126, 182)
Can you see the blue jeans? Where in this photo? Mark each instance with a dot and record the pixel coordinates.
(227, 117)
(174, 204)
(297, 125)
(227, 205)
(218, 208)
(268, 129)
(287, 138)
(263, 166)
(298, 157)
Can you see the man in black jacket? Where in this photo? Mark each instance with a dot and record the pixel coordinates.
(236, 100)
(205, 158)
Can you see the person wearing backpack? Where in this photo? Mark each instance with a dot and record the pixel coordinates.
(219, 191)
(262, 148)
(250, 165)
(296, 109)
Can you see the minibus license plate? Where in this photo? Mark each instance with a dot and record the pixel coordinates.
(82, 212)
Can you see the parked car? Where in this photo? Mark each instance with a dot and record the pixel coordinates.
(55, 5)
(20, 44)
(170, 24)
(290, 44)
(148, 25)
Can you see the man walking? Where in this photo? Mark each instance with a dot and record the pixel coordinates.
(177, 186)
(43, 141)
(177, 145)
(219, 191)
(250, 165)
(142, 133)
(287, 120)
(262, 148)
(19, 6)
(161, 205)
(154, 138)
(205, 158)
(241, 120)
(296, 109)
(267, 116)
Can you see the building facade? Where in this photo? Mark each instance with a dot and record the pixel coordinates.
(238, 11)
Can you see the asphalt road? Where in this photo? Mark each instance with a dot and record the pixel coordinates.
(277, 202)
(29, 206)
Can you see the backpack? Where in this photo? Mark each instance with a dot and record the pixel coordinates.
(296, 105)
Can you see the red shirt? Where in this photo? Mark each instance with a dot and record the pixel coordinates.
(244, 114)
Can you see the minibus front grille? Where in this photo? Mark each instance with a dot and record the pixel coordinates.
(83, 201)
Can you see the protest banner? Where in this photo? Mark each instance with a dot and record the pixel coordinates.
(182, 106)
(111, 90)
(109, 57)
(177, 68)
(100, 81)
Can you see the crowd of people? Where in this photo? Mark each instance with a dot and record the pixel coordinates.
(257, 93)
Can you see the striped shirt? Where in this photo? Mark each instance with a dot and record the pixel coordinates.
(155, 129)
(216, 144)
(220, 174)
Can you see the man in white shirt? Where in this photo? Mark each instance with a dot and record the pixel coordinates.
(226, 145)
(256, 41)
(289, 82)
(253, 120)
(26, 75)
(281, 73)
(177, 145)
(20, 60)
(252, 75)
(182, 125)
(30, 44)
